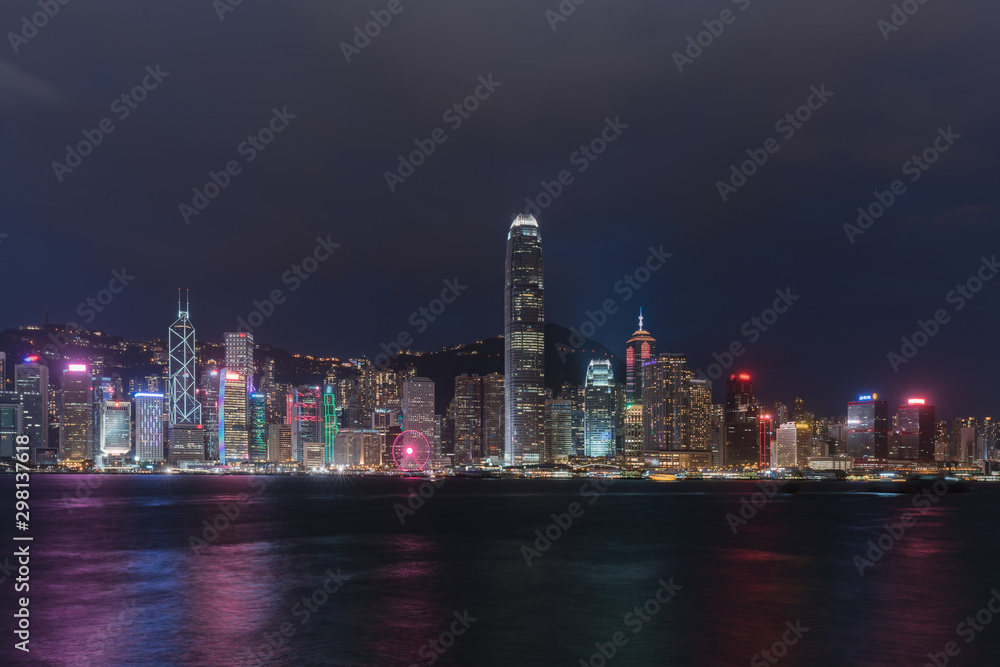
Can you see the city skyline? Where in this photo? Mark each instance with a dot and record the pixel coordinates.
(534, 332)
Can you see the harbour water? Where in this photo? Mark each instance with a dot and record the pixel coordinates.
(228, 570)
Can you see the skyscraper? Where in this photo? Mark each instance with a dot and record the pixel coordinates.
(31, 382)
(187, 442)
(234, 442)
(76, 430)
(468, 418)
(184, 405)
(11, 423)
(718, 434)
(558, 430)
(493, 416)
(666, 402)
(478, 417)
(209, 394)
(917, 430)
(305, 415)
(599, 406)
(148, 428)
(640, 348)
(329, 424)
(524, 343)
(632, 438)
(258, 428)
(868, 428)
(742, 437)
(699, 430)
(279, 443)
(239, 353)
(116, 430)
(793, 445)
(418, 406)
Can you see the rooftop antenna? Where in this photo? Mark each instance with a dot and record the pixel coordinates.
(640, 318)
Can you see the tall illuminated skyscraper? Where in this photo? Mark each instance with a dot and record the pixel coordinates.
(699, 430)
(493, 415)
(868, 428)
(666, 382)
(524, 343)
(742, 436)
(76, 430)
(304, 413)
(148, 428)
(418, 406)
(31, 382)
(184, 405)
(116, 430)
(640, 348)
(208, 393)
(599, 402)
(258, 428)
(916, 430)
(234, 441)
(239, 353)
(468, 418)
(329, 424)
(558, 430)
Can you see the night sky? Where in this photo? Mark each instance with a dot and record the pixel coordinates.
(656, 184)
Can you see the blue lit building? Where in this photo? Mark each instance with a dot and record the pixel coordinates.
(599, 409)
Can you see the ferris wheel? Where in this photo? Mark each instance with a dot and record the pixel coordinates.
(411, 451)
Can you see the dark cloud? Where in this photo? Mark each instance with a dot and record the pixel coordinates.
(655, 185)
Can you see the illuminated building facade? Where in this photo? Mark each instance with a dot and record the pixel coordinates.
(358, 447)
(186, 443)
(632, 426)
(640, 348)
(11, 423)
(258, 427)
(742, 437)
(793, 445)
(116, 429)
(234, 441)
(279, 443)
(239, 353)
(917, 430)
(468, 418)
(718, 435)
(148, 428)
(599, 405)
(666, 382)
(868, 428)
(699, 429)
(329, 424)
(418, 406)
(493, 416)
(558, 430)
(304, 414)
(31, 382)
(184, 405)
(76, 430)
(209, 398)
(524, 344)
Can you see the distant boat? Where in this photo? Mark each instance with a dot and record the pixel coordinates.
(662, 476)
(929, 483)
